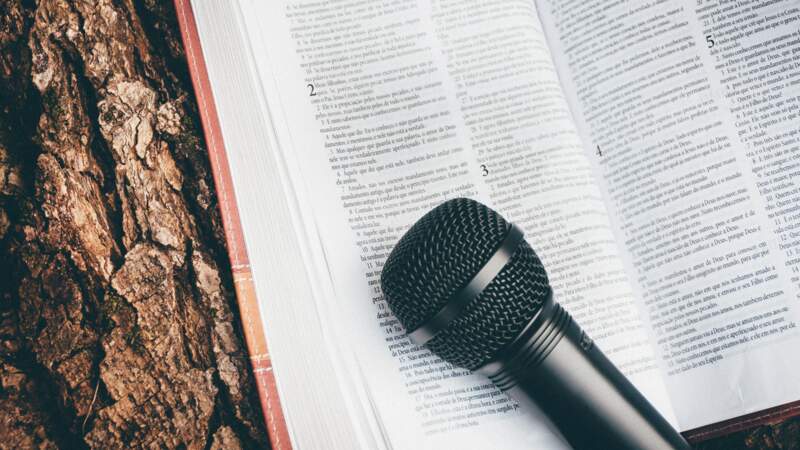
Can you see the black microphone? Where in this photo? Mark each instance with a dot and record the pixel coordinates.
(466, 284)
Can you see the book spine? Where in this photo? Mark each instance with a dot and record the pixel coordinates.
(237, 252)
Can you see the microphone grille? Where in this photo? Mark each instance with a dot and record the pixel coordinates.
(439, 255)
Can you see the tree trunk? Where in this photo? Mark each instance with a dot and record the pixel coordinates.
(118, 326)
(118, 323)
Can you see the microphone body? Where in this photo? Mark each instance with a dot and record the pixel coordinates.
(554, 365)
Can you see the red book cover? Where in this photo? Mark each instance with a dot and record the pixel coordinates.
(242, 273)
(768, 416)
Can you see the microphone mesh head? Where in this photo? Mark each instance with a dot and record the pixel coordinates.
(438, 256)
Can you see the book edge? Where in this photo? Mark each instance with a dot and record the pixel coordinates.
(244, 286)
(767, 416)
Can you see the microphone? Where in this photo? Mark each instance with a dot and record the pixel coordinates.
(466, 284)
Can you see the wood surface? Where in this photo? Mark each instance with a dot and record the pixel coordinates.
(118, 326)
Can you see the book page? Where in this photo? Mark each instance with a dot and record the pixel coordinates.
(689, 110)
(383, 110)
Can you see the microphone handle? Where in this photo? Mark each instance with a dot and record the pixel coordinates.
(554, 365)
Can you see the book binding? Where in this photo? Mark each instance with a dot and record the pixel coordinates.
(237, 252)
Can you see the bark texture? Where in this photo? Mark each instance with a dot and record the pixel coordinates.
(117, 321)
(118, 327)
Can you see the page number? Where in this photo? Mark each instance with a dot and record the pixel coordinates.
(709, 41)
(311, 93)
(484, 170)
(599, 152)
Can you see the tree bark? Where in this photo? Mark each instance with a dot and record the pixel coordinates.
(118, 326)
(118, 323)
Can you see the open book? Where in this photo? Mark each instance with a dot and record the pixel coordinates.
(649, 150)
